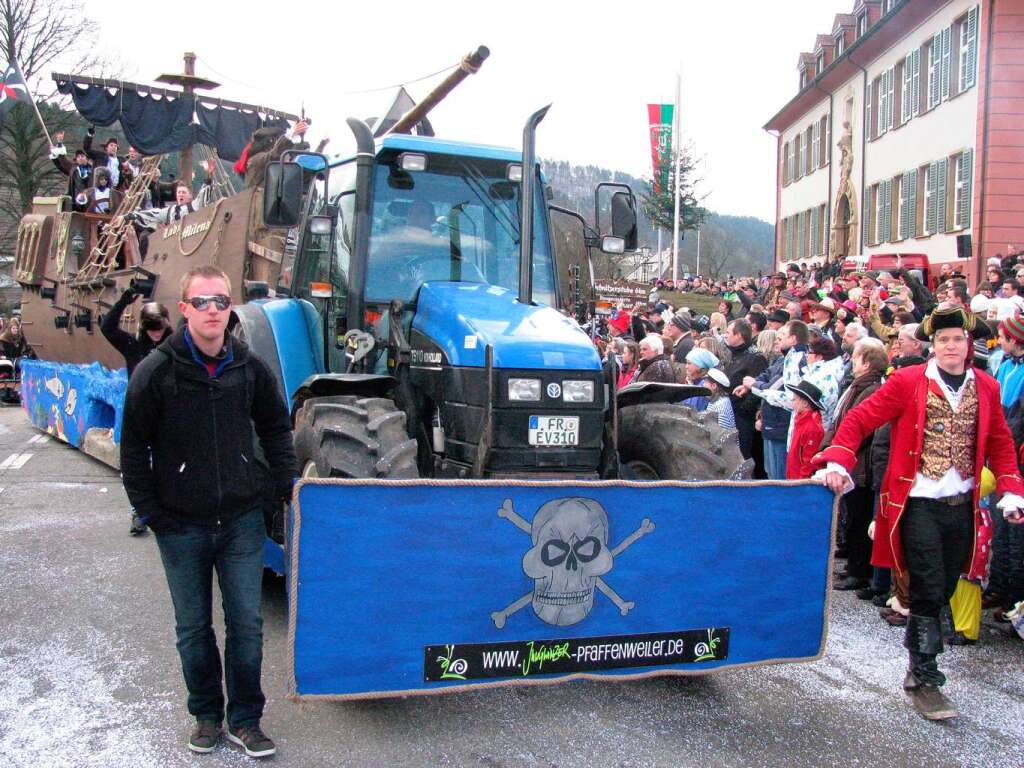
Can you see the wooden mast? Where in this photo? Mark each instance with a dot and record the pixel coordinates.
(189, 83)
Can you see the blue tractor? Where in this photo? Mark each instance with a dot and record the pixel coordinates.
(420, 334)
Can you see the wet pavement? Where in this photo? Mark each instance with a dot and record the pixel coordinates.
(89, 675)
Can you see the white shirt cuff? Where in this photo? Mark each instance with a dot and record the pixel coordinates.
(1010, 502)
(835, 467)
(58, 150)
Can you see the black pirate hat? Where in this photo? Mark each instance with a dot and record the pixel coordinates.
(808, 392)
(952, 317)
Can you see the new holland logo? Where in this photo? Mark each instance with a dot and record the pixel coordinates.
(554, 390)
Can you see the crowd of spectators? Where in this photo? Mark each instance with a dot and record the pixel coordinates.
(787, 355)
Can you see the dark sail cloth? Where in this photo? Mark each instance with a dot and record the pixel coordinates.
(158, 125)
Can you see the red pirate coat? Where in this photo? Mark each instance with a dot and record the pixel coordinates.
(902, 400)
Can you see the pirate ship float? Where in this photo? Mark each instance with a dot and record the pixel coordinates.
(73, 266)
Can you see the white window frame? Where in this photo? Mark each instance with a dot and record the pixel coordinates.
(840, 43)
(862, 23)
(819, 62)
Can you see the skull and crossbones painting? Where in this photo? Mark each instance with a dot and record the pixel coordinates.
(569, 557)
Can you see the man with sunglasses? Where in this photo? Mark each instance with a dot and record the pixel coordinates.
(193, 412)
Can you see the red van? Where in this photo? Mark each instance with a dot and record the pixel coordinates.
(890, 262)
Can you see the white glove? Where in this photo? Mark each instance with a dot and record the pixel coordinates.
(1011, 505)
(58, 150)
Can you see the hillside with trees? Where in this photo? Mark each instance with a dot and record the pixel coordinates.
(738, 245)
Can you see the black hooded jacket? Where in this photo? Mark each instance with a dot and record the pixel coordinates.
(134, 349)
(198, 429)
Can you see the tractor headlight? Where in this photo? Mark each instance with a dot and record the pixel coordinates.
(524, 389)
(578, 391)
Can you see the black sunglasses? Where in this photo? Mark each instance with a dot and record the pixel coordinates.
(203, 302)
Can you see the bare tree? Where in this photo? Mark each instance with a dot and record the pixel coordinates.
(39, 34)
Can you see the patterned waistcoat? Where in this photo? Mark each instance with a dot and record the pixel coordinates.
(950, 437)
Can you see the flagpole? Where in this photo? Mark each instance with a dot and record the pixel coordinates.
(35, 106)
(675, 218)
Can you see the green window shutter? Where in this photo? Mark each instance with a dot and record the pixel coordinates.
(866, 221)
(815, 232)
(930, 186)
(916, 84)
(947, 60)
(934, 78)
(904, 222)
(972, 49)
(912, 213)
(867, 111)
(887, 219)
(966, 174)
(940, 195)
(907, 104)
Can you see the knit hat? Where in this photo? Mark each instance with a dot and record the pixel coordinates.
(681, 322)
(1013, 328)
(994, 262)
(702, 358)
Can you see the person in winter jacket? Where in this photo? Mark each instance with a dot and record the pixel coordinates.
(194, 410)
(807, 430)
(654, 363)
(154, 328)
(744, 360)
(869, 364)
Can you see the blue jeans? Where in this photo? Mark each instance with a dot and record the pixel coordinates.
(190, 555)
(775, 458)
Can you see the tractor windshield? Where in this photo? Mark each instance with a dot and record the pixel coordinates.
(456, 220)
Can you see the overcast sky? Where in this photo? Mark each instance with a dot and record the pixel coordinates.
(599, 63)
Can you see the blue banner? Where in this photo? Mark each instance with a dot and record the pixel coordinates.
(400, 588)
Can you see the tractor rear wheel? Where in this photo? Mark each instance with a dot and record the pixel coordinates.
(662, 441)
(355, 437)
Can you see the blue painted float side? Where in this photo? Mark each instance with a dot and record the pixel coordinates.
(463, 318)
(67, 400)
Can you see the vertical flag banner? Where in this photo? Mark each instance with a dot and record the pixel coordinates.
(13, 89)
(660, 118)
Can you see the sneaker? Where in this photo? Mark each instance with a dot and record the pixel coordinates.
(205, 737)
(138, 527)
(254, 741)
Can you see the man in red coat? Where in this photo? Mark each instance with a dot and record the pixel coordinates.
(947, 423)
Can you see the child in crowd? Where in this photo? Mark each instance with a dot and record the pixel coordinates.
(808, 430)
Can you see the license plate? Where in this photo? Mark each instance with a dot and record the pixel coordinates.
(554, 430)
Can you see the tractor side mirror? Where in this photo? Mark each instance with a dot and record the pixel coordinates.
(624, 220)
(282, 194)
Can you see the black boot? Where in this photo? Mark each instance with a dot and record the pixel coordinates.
(946, 622)
(924, 642)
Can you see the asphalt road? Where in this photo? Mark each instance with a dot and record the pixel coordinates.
(89, 675)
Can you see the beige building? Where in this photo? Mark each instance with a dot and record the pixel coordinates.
(904, 135)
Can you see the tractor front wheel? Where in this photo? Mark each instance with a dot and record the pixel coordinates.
(662, 441)
(355, 437)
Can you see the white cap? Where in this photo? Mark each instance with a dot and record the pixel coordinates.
(994, 262)
(719, 377)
